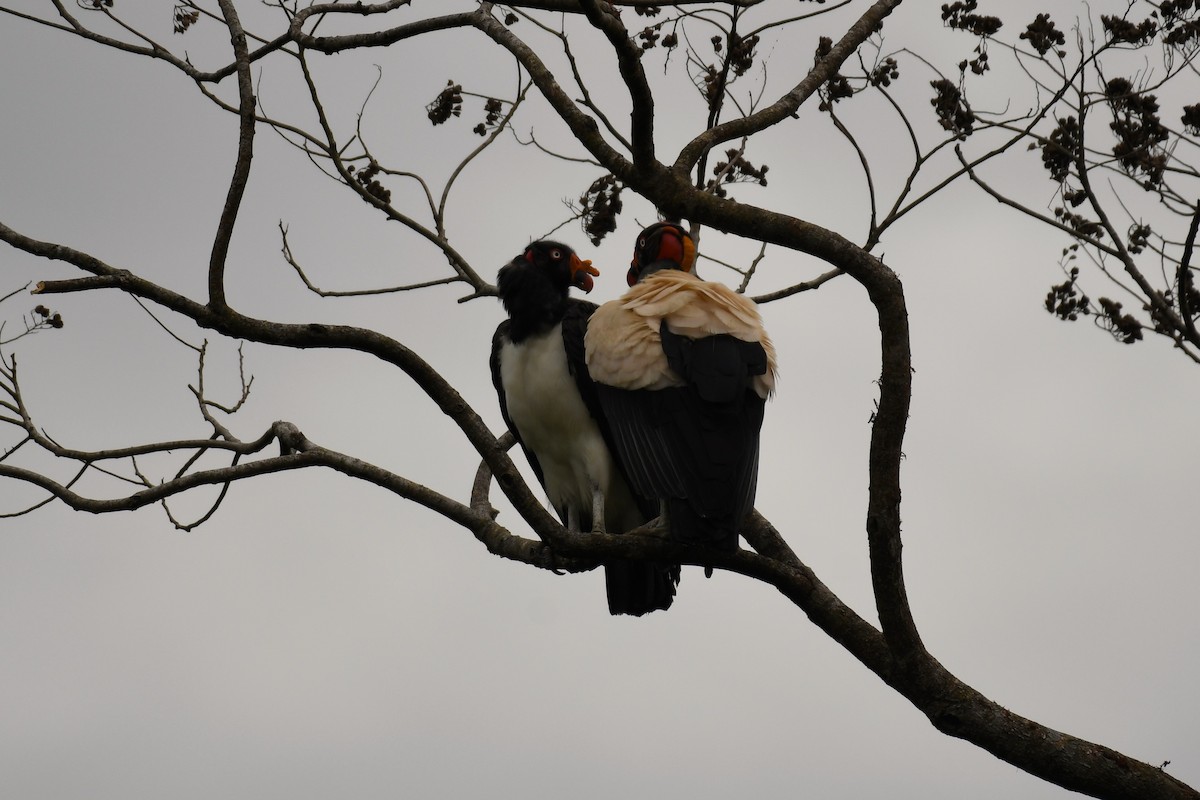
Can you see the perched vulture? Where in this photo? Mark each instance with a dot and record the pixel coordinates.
(683, 369)
(549, 402)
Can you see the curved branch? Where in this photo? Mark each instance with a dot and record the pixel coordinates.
(245, 154)
(1154, 299)
(76, 28)
(501, 125)
(501, 542)
(805, 286)
(583, 127)
(1183, 277)
(629, 62)
(787, 105)
(585, 96)
(1008, 201)
(351, 41)
(333, 152)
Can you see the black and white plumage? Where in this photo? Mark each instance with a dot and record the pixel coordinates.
(683, 369)
(549, 402)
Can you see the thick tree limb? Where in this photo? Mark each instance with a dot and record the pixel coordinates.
(1183, 277)
(351, 41)
(245, 154)
(629, 62)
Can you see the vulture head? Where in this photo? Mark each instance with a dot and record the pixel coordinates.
(664, 245)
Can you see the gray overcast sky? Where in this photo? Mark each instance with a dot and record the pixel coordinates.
(319, 638)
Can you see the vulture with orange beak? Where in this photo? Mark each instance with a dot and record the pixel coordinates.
(683, 369)
(549, 402)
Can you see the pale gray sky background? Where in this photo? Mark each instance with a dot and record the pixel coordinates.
(319, 638)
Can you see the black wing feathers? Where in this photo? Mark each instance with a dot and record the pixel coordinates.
(696, 445)
(718, 366)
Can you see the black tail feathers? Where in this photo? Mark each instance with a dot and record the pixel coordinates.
(639, 587)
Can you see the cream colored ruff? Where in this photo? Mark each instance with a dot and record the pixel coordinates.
(624, 348)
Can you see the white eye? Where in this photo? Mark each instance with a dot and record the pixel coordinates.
(556, 254)
(642, 242)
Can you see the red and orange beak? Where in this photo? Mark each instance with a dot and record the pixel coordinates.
(582, 272)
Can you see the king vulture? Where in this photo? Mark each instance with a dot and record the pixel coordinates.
(549, 402)
(683, 368)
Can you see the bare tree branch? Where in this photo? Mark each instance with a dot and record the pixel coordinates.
(629, 61)
(245, 154)
(787, 105)
(804, 286)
